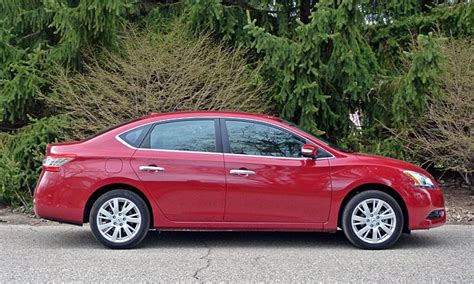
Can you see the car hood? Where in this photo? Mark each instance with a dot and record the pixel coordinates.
(390, 162)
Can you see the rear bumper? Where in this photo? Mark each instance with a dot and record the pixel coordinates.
(56, 200)
(426, 209)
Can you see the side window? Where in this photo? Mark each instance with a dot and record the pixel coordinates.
(259, 139)
(187, 135)
(135, 136)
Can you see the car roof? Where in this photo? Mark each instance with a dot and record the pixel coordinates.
(237, 114)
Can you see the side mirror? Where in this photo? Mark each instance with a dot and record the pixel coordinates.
(309, 151)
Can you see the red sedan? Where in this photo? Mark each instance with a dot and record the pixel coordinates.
(230, 171)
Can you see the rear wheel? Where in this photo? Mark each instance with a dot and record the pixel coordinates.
(372, 220)
(119, 219)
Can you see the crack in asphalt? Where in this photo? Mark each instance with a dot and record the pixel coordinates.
(33, 229)
(256, 259)
(206, 256)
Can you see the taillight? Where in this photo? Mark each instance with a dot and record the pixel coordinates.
(52, 163)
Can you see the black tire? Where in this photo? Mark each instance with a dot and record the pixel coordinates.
(143, 213)
(347, 220)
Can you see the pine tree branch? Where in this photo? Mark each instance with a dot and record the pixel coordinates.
(246, 5)
(30, 35)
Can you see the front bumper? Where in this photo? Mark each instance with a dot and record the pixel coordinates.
(426, 209)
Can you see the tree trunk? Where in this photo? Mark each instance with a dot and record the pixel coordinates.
(305, 11)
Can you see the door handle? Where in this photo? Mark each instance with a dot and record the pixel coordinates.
(242, 172)
(152, 169)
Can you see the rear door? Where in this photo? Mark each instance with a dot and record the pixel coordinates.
(181, 164)
(267, 178)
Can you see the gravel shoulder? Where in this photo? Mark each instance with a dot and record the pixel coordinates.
(459, 202)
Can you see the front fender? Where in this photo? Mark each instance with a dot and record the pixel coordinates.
(345, 178)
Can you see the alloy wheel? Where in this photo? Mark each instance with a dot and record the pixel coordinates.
(119, 220)
(373, 221)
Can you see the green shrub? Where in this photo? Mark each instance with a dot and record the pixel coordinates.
(21, 154)
(12, 179)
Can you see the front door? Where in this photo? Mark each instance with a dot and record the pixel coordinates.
(182, 166)
(267, 178)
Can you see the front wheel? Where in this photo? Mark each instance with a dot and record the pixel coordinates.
(119, 219)
(372, 220)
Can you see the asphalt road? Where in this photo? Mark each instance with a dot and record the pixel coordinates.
(69, 253)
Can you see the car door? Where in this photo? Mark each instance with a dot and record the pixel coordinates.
(267, 178)
(181, 164)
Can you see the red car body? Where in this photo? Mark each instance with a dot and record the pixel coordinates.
(197, 192)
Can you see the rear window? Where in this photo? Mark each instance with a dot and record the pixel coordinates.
(135, 136)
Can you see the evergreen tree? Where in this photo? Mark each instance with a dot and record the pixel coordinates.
(35, 34)
(327, 59)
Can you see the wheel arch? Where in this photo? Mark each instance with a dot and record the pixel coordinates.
(380, 187)
(106, 188)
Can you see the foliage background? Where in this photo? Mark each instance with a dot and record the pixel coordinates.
(312, 62)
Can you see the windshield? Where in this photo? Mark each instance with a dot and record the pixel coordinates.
(321, 139)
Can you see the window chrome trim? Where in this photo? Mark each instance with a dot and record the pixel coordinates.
(180, 151)
(220, 117)
(277, 157)
(164, 150)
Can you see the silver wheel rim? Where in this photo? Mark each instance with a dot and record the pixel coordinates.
(119, 220)
(373, 221)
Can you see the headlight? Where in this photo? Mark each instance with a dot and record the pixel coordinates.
(420, 180)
